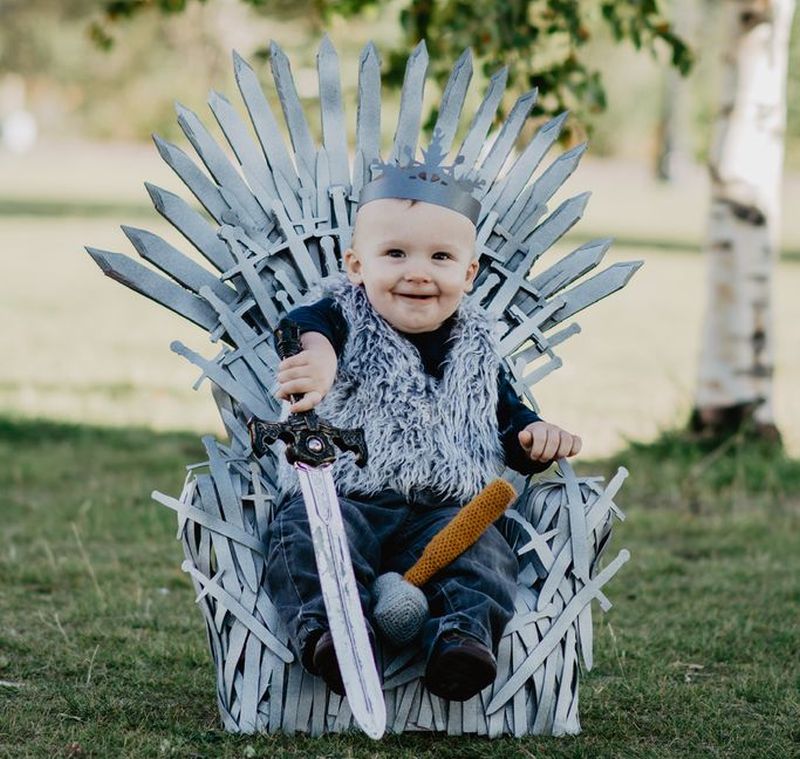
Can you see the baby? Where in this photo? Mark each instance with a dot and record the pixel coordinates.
(394, 348)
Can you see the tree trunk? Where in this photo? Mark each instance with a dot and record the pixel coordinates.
(736, 361)
(672, 153)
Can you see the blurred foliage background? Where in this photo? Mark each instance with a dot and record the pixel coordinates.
(80, 58)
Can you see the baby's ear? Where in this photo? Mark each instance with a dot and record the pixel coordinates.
(352, 266)
(472, 271)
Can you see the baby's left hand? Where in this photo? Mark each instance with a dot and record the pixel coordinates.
(543, 441)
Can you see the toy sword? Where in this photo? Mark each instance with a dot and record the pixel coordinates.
(311, 448)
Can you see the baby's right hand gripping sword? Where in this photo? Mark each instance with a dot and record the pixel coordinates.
(310, 449)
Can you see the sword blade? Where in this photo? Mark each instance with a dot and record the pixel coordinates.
(342, 602)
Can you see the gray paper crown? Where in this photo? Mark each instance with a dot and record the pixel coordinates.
(430, 181)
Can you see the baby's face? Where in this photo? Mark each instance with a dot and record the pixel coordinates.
(416, 262)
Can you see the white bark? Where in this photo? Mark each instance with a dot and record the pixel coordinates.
(736, 362)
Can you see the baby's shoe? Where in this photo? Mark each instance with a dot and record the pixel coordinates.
(459, 667)
(326, 664)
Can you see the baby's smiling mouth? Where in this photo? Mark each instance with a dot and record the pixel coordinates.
(416, 296)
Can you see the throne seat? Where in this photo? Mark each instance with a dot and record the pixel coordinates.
(556, 525)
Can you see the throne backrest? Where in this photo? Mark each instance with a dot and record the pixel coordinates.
(277, 223)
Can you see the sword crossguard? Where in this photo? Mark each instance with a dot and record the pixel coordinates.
(309, 439)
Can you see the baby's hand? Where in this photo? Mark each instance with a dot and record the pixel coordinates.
(546, 442)
(309, 373)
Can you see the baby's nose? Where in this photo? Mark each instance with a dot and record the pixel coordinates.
(417, 274)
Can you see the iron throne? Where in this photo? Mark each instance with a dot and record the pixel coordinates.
(273, 227)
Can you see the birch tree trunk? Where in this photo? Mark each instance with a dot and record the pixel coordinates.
(736, 361)
(672, 133)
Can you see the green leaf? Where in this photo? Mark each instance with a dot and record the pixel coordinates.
(541, 41)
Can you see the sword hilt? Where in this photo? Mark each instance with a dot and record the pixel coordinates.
(288, 344)
(308, 438)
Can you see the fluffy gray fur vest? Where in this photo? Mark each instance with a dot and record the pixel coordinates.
(420, 432)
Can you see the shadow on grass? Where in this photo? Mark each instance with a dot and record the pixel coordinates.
(33, 432)
(61, 208)
(63, 470)
(679, 469)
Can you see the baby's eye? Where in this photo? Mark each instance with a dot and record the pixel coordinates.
(395, 253)
(441, 255)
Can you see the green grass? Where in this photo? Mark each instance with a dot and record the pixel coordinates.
(103, 655)
(57, 207)
(740, 472)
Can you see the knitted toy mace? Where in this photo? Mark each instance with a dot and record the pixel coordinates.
(400, 606)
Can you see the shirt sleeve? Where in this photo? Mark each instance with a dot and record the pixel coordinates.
(512, 417)
(324, 317)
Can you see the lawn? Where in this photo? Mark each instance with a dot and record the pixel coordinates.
(103, 655)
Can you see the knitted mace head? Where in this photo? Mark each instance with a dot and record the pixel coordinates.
(400, 607)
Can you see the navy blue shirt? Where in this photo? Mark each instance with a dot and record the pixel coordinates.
(513, 416)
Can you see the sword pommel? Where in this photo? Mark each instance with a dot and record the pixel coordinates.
(287, 339)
